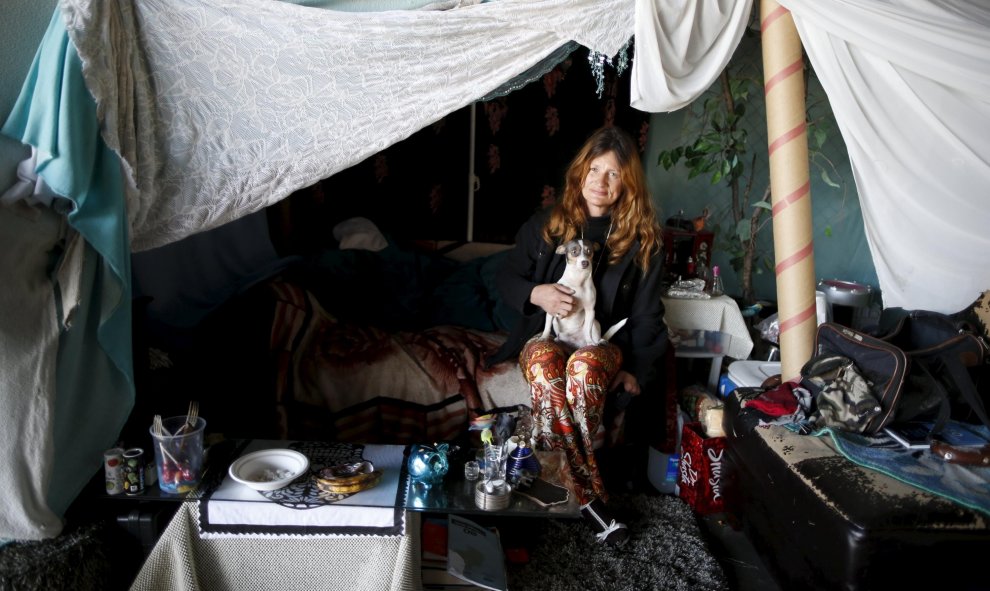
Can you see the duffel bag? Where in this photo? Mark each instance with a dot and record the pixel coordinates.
(922, 369)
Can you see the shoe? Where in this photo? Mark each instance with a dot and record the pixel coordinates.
(607, 529)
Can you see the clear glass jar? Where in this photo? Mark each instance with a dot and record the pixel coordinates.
(716, 287)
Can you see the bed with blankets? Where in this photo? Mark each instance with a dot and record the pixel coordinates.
(382, 346)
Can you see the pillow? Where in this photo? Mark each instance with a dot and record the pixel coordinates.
(504, 316)
(462, 298)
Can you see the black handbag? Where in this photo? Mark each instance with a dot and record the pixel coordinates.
(949, 356)
(930, 366)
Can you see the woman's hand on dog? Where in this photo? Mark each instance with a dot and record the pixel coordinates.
(554, 298)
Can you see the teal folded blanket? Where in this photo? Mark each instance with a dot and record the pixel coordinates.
(966, 485)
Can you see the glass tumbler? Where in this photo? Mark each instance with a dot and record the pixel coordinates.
(179, 454)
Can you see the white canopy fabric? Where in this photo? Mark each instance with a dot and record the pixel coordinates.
(909, 82)
(221, 108)
(681, 48)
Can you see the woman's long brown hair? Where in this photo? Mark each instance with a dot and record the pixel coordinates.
(633, 216)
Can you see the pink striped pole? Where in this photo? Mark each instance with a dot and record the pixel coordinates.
(790, 186)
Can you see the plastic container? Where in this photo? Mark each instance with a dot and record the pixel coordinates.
(747, 374)
(662, 468)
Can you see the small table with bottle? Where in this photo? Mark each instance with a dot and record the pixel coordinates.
(711, 328)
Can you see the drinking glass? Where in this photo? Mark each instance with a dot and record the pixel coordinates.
(179, 453)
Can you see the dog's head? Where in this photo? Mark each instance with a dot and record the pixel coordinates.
(579, 252)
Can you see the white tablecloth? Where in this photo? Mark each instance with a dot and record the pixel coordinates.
(237, 539)
(182, 560)
(719, 314)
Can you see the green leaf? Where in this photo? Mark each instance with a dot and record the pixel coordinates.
(828, 231)
(763, 204)
(716, 177)
(743, 230)
(820, 137)
(828, 180)
(713, 138)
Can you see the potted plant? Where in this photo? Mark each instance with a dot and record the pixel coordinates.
(716, 142)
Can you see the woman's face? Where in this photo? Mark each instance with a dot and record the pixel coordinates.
(603, 185)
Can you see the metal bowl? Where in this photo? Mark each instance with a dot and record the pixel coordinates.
(845, 293)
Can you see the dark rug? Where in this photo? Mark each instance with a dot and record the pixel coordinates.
(666, 551)
(73, 560)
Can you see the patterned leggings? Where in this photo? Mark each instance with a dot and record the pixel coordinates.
(568, 399)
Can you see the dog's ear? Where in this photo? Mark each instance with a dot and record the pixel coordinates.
(561, 249)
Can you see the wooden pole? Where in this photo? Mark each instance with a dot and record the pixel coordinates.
(790, 184)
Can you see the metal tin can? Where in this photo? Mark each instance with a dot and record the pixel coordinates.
(134, 471)
(113, 468)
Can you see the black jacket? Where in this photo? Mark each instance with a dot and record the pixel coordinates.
(624, 291)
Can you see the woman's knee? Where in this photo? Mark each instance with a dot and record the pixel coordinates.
(540, 357)
(605, 359)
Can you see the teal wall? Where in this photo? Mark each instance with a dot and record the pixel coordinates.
(844, 254)
(21, 28)
(841, 249)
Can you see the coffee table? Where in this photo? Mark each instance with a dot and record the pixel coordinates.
(455, 494)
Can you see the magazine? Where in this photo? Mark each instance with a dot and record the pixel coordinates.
(474, 554)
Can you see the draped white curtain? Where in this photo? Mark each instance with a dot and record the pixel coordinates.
(220, 108)
(681, 48)
(909, 83)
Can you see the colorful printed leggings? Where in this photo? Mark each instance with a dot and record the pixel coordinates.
(568, 399)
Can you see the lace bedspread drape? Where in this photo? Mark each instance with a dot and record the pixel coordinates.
(220, 108)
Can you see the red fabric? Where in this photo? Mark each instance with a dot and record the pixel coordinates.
(778, 402)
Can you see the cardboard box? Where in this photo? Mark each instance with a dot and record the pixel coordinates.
(701, 470)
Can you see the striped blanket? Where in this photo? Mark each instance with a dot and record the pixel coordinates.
(362, 384)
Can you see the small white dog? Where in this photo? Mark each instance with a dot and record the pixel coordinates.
(579, 328)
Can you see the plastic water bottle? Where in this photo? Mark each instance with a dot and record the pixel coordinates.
(663, 469)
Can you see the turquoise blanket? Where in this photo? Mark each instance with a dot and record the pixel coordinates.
(56, 114)
(966, 485)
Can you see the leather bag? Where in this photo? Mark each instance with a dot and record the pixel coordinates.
(928, 366)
